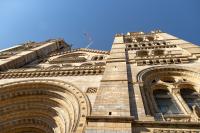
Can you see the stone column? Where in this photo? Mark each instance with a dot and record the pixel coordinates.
(180, 101)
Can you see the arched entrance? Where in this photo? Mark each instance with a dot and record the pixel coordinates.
(42, 106)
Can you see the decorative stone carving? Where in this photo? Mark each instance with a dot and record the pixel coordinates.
(123, 90)
(78, 71)
(50, 105)
(91, 90)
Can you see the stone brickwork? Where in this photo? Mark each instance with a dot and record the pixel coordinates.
(146, 83)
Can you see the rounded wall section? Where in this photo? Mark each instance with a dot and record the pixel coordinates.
(42, 106)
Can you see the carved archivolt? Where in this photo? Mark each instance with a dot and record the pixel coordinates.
(42, 106)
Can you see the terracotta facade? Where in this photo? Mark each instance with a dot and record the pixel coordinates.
(146, 83)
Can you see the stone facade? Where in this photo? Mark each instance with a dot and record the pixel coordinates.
(146, 83)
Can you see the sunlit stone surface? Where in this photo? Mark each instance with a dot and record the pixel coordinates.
(146, 83)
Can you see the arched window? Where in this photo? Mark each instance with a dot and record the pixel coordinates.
(101, 58)
(143, 45)
(129, 46)
(158, 43)
(95, 58)
(191, 97)
(165, 102)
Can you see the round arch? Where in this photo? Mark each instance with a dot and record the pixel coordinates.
(42, 106)
(170, 78)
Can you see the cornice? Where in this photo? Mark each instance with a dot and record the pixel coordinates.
(53, 72)
(137, 123)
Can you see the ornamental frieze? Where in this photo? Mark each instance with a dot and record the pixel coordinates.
(79, 71)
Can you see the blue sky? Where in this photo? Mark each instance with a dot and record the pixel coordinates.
(39, 20)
